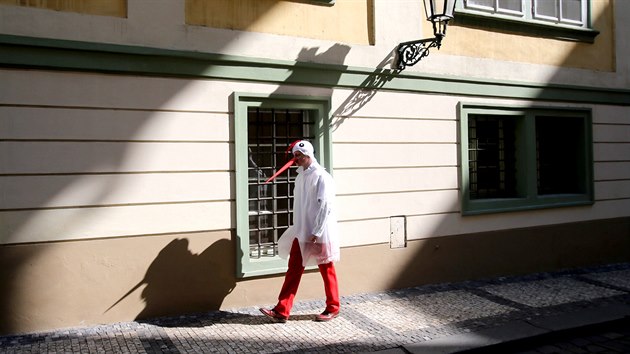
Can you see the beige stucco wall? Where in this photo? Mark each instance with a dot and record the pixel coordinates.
(141, 183)
(466, 52)
(143, 149)
(521, 47)
(85, 282)
(116, 8)
(345, 22)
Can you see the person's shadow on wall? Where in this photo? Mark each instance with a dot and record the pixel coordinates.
(179, 282)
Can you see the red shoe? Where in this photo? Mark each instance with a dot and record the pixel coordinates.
(274, 315)
(326, 316)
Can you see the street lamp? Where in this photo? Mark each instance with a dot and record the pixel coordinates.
(439, 12)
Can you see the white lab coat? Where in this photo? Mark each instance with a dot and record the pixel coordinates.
(313, 214)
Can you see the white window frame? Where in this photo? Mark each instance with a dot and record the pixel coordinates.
(529, 13)
(247, 266)
(528, 197)
(495, 8)
(560, 18)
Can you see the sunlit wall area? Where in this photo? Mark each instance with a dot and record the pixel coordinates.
(346, 21)
(115, 8)
(534, 45)
(127, 136)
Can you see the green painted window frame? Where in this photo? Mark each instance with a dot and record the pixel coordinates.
(245, 266)
(526, 23)
(526, 175)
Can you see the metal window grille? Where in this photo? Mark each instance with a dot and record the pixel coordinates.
(270, 131)
(491, 157)
(559, 155)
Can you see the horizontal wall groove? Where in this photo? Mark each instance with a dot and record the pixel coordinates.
(108, 237)
(397, 118)
(407, 215)
(398, 192)
(391, 167)
(611, 199)
(101, 108)
(118, 205)
(110, 173)
(396, 143)
(115, 141)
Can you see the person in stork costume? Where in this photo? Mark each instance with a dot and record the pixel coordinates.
(313, 237)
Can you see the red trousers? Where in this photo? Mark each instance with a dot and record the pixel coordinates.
(292, 282)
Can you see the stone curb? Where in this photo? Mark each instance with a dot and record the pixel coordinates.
(517, 330)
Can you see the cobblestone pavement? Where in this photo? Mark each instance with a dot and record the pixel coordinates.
(388, 321)
(605, 338)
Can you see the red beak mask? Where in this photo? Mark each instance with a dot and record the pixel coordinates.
(286, 165)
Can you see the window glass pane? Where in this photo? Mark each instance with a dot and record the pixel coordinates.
(484, 3)
(572, 10)
(270, 131)
(492, 157)
(512, 5)
(547, 8)
(560, 155)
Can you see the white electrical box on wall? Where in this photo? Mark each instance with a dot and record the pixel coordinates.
(397, 232)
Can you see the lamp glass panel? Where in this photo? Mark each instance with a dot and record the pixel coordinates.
(427, 9)
(439, 9)
(449, 7)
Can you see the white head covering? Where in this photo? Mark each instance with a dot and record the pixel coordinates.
(304, 147)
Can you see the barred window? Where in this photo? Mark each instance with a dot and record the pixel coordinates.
(492, 159)
(559, 152)
(270, 131)
(525, 158)
(264, 126)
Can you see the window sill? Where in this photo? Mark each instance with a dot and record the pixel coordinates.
(535, 28)
(263, 267)
(493, 206)
(324, 2)
(260, 267)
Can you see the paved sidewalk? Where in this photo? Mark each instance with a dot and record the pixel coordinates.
(443, 318)
(611, 337)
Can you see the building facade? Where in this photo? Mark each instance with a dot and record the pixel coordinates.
(136, 135)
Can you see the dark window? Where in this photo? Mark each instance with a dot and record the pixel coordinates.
(559, 155)
(270, 131)
(525, 158)
(492, 158)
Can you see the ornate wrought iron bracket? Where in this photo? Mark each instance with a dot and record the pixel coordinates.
(410, 53)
